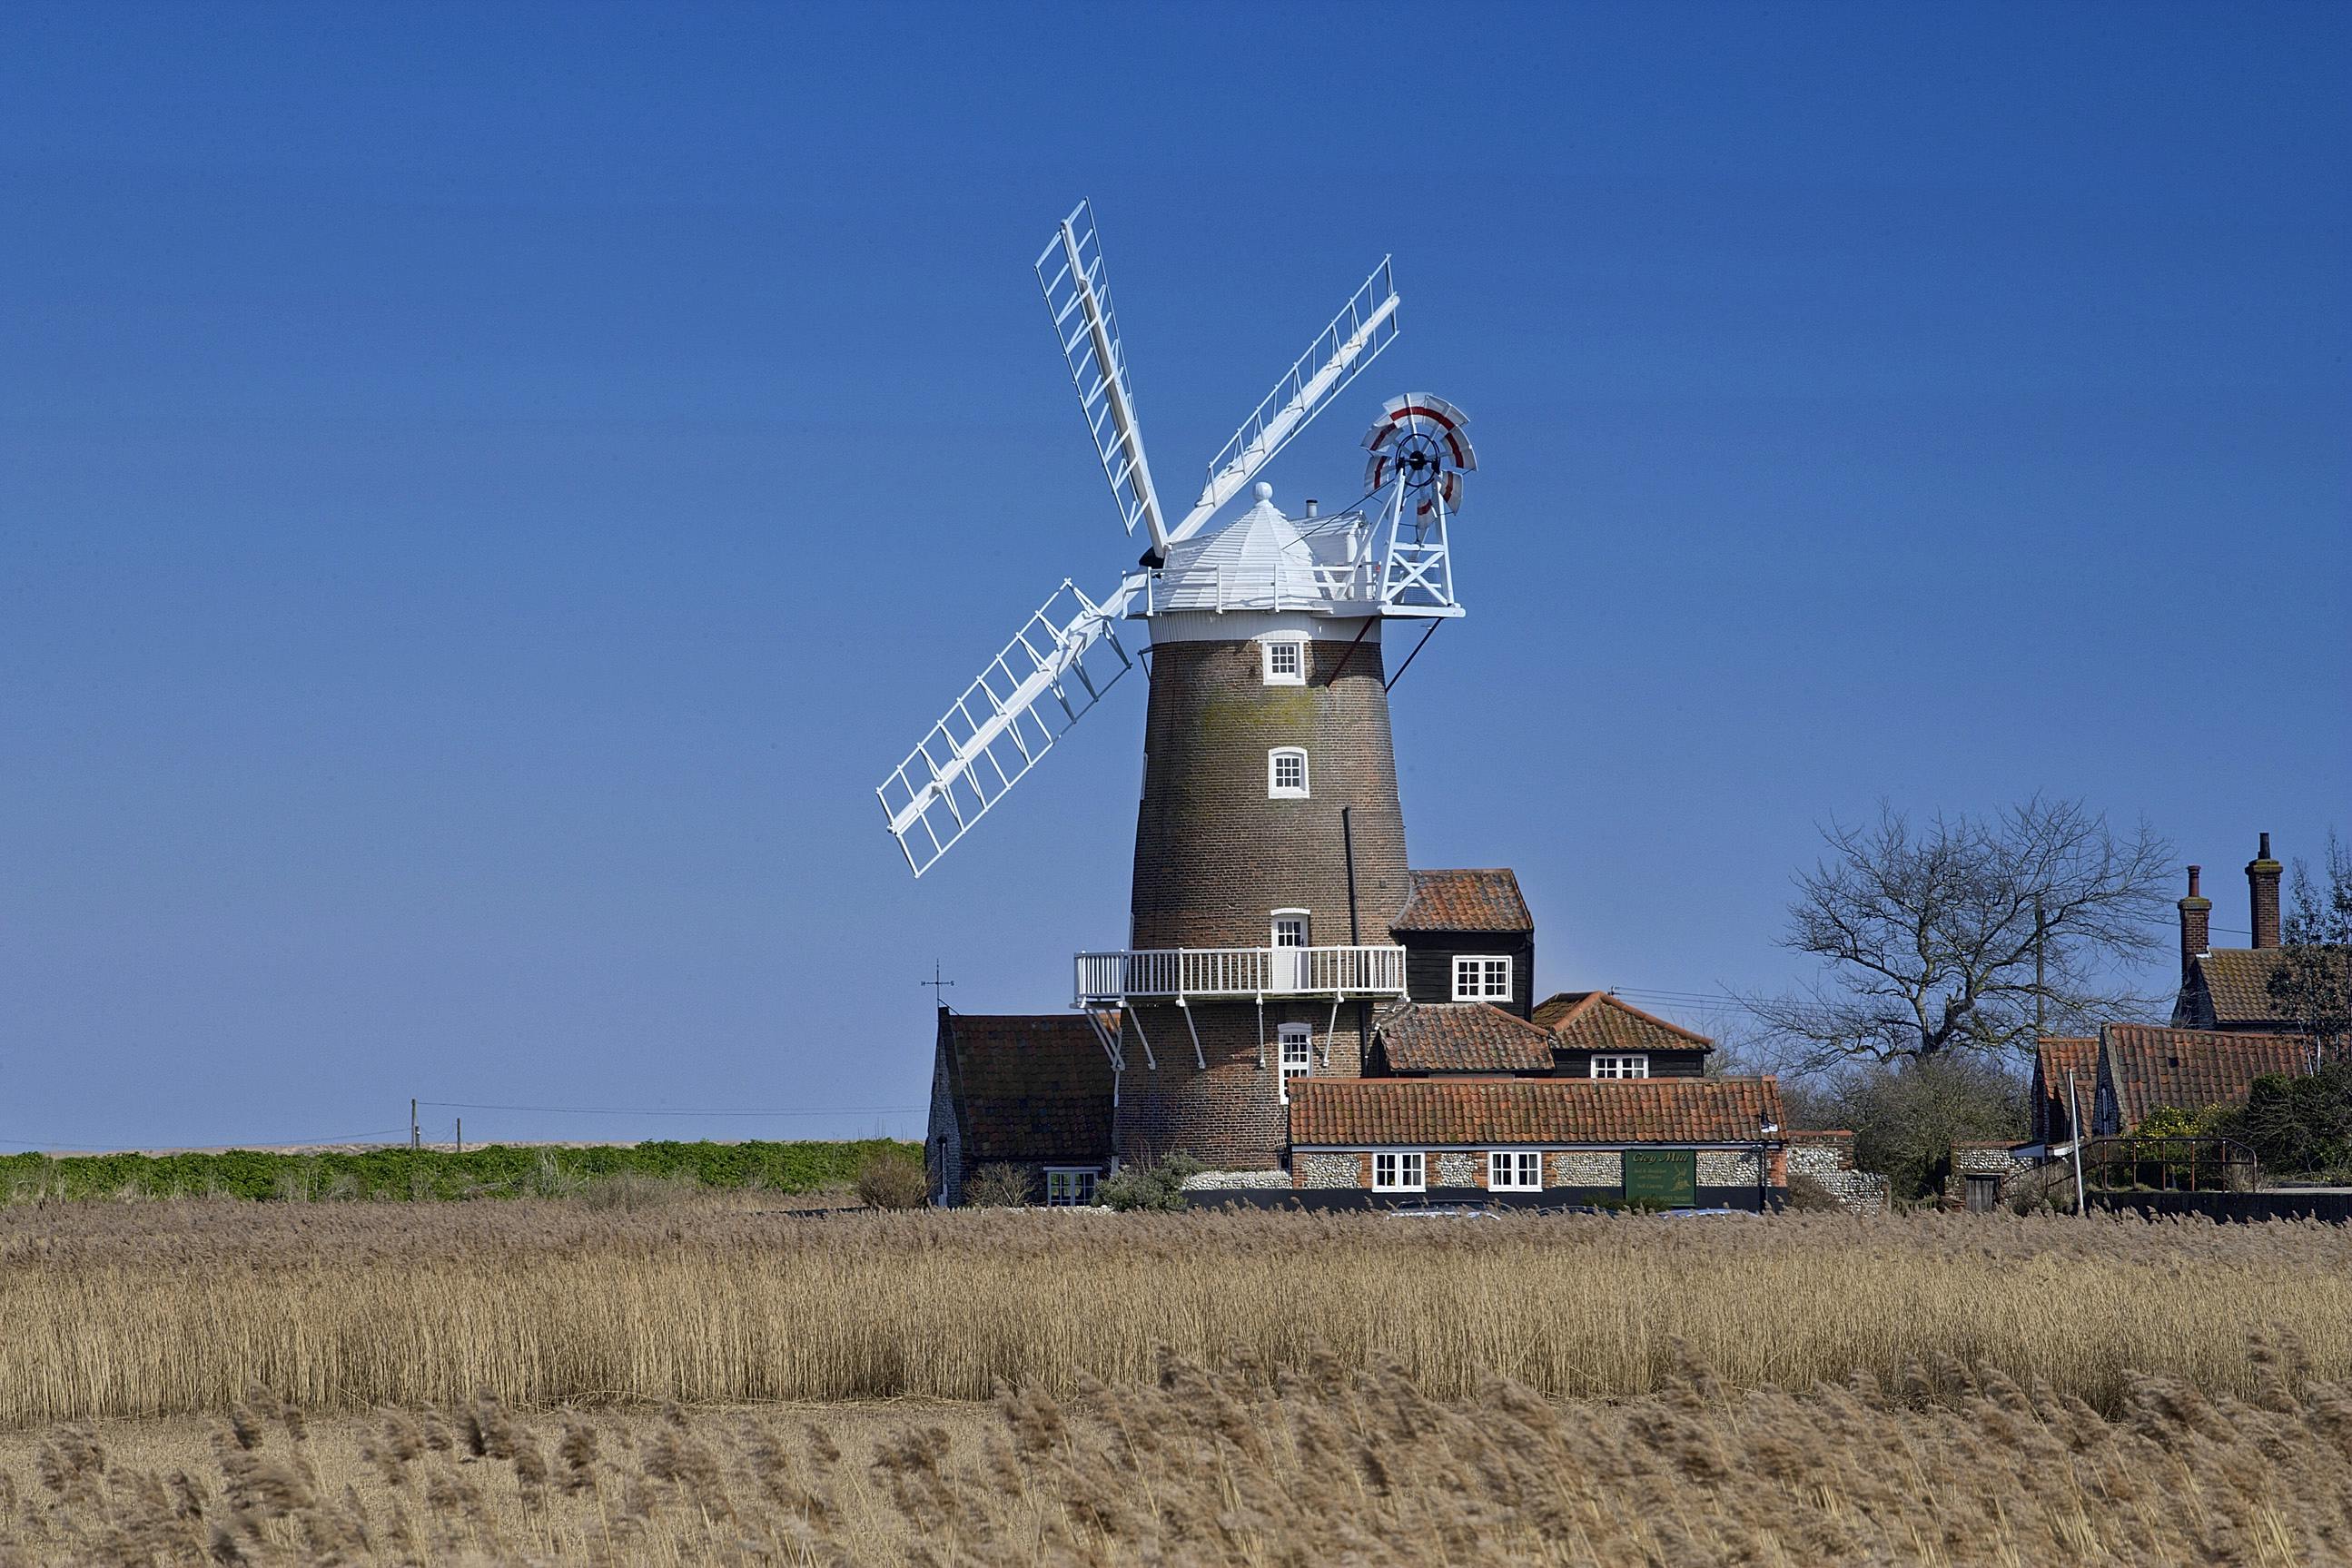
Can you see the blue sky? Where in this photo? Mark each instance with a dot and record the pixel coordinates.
(485, 493)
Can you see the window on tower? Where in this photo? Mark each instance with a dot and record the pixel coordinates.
(1298, 1053)
(1285, 662)
(1286, 773)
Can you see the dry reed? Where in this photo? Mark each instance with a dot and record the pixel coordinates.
(1242, 1466)
(161, 1308)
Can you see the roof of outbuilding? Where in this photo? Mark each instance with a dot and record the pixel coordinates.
(2238, 980)
(1462, 1037)
(1358, 1113)
(1029, 1090)
(2053, 1056)
(1478, 900)
(2190, 1068)
(1595, 1020)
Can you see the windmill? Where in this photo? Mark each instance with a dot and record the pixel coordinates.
(1386, 557)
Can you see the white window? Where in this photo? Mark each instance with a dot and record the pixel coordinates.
(1290, 928)
(1515, 1170)
(1285, 662)
(1297, 1054)
(1478, 978)
(1286, 773)
(1397, 1172)
(1069, 1187)
(1635, 1066)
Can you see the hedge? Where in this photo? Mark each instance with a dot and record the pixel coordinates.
(494, 1170)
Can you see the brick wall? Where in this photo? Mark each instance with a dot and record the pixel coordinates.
(1213, 855)
(1230, 1116)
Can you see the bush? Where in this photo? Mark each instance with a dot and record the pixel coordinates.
(999, 1187)
(2298, 1125)
(1156, 1187)
(893, 1181)
(1906, 1119)
(1807, 1193)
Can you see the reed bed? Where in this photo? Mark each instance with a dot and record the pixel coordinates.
(1240, 1467)
(153, 1308)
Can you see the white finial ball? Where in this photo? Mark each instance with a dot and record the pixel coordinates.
(1261, 490)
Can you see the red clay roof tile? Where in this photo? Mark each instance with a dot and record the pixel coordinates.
(1358, 1113)
(1462, 1037)
(1466, 901)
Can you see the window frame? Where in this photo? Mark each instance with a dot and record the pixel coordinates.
(1518, 1164)
(1080, 1197)
(1284, 1036)
(1297, 648)
(1477, 991)
(1274, 788)
(1629, 1064)
(1281, 917)
(1399, 1160)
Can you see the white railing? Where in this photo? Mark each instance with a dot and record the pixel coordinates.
(1189, 972)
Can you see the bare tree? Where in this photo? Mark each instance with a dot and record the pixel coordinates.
(1969, 934)
(2312, 985)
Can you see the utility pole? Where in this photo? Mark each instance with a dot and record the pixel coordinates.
(413, 1142)
(461, 1134)
(2074, 1115)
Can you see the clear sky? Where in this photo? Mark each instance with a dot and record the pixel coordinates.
(486, 491)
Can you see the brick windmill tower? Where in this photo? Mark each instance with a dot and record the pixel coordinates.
(1269, 851)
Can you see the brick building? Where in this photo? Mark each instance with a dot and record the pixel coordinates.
(1292, 990)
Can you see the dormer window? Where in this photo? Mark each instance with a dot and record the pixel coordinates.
(1636, 1065)
(1480, 979)
(1286, 773)
(1285, 662)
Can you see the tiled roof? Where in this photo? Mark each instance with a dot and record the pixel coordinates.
(2191, 1069)
(1595, 1020)
(1429, 1113)
(2238, 981)
(1030, 1090)
(1464, 901)
(2052, 1058)
(1462, 1037)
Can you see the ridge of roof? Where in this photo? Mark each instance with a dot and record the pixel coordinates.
(1636, 1031)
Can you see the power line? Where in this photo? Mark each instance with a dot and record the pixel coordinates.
(644, 1111)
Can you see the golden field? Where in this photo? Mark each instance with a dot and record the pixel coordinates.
(1319, 1464)
(699, 1380)
(167, 1308)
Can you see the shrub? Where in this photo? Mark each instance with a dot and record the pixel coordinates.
(999, 1187)
(2298, 1124)
(1157, 1186)
(1807, 1193)
(629, 1191)
(893, 1181)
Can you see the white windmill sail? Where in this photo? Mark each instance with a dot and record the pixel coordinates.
(1055, 668)
(1078, 295)
(1365, 326)
(1027, 698)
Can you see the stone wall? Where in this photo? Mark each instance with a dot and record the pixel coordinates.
(1727, 1168)
(1457, 1170)
(1585, 1167)
(1828, 1159)
(1331, 1170)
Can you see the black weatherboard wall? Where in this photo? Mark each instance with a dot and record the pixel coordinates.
(1429, 962)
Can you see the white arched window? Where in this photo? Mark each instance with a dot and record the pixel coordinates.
(1286, 773)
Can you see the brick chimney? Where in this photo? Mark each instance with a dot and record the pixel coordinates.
(2196, 925)
(2262, 889)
